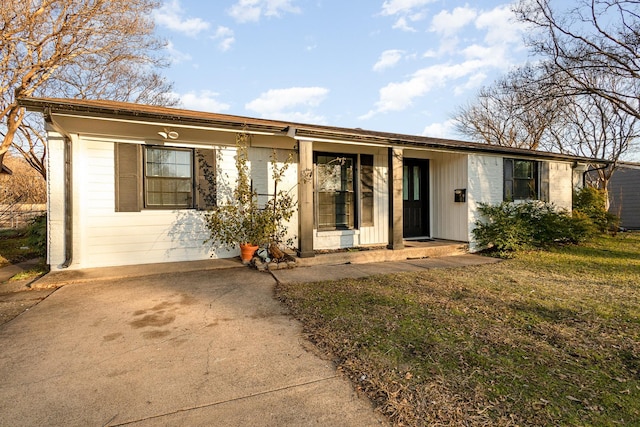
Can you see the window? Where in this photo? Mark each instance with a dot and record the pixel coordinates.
(337, 183)
(335, 191)
(521, 179)
(168, 178)
(157, 177)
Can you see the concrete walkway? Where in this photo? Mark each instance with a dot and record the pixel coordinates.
(198, 346)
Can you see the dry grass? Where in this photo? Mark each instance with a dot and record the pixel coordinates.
(547, 338)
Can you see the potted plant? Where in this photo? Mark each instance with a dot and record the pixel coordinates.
(240, 220)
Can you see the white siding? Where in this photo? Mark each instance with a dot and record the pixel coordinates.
(55, 200)
(485, 186)
(561, 184)
(103, 237)
(448, 218)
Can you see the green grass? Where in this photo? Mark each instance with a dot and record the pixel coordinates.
(15, 247)
(546, 338)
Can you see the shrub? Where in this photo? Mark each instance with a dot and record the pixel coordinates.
(592, 203)
(37, 235)
(510, 227)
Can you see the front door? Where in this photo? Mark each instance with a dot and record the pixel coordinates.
(415, 196)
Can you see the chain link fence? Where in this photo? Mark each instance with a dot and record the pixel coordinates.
(18, 215)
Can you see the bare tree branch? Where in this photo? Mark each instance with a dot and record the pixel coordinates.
(100, 49)
(592, 38)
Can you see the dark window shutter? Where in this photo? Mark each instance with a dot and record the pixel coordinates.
(205, 179)
(508, 180)
(128, 165)
(366, 189)
(543, 168)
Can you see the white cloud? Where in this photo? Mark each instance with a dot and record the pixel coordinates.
(501, 26)
(176, 56)
(253, 10)
(388, 59)
(398, 96)
(291, 104)
(225, 38)
(170, 15)
(473, 82)
(402, 24)
(395, 7)
(407, 11)
(448, 23)
(492, 48)
(445, 129)
(205, 100)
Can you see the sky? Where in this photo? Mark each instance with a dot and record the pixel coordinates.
(400, 66)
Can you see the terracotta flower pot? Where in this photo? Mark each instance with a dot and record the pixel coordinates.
(246, 252)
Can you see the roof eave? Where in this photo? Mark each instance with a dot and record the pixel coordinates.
(238, 123)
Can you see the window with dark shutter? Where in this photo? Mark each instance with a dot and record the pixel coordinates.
(521, 179)
(160, 177)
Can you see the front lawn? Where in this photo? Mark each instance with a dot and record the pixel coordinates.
(546, 338)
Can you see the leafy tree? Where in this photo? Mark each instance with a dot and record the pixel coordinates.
(100, 49)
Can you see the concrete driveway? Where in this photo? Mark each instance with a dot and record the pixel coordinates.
(199, 348)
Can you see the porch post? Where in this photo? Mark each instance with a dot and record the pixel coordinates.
(395, 198)
(305, 199)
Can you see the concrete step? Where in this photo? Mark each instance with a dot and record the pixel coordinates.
(411, 250)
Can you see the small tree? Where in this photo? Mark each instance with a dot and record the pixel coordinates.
(592, 203)
(240, 219)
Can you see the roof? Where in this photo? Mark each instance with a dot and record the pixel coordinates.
(124, 110)
(629, 165)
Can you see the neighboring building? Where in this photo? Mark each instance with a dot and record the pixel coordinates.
(624, 195)
(123, 182)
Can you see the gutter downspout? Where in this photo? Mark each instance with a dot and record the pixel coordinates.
(68, 193)
(584, 174)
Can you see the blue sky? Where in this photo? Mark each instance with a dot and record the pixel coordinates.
(399, 66)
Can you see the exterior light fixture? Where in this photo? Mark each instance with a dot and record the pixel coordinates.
(167, 133)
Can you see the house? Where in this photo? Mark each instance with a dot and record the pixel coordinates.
(624, 195)
(123, 182)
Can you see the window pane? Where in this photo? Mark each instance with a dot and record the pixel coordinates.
(405, 183)
(523, 169)
(183, 171)
(183, 157)
(168, 177)
(416, 182)
(524, 189)
(335, 186)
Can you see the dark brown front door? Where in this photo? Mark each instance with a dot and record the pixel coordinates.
(415, 196)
